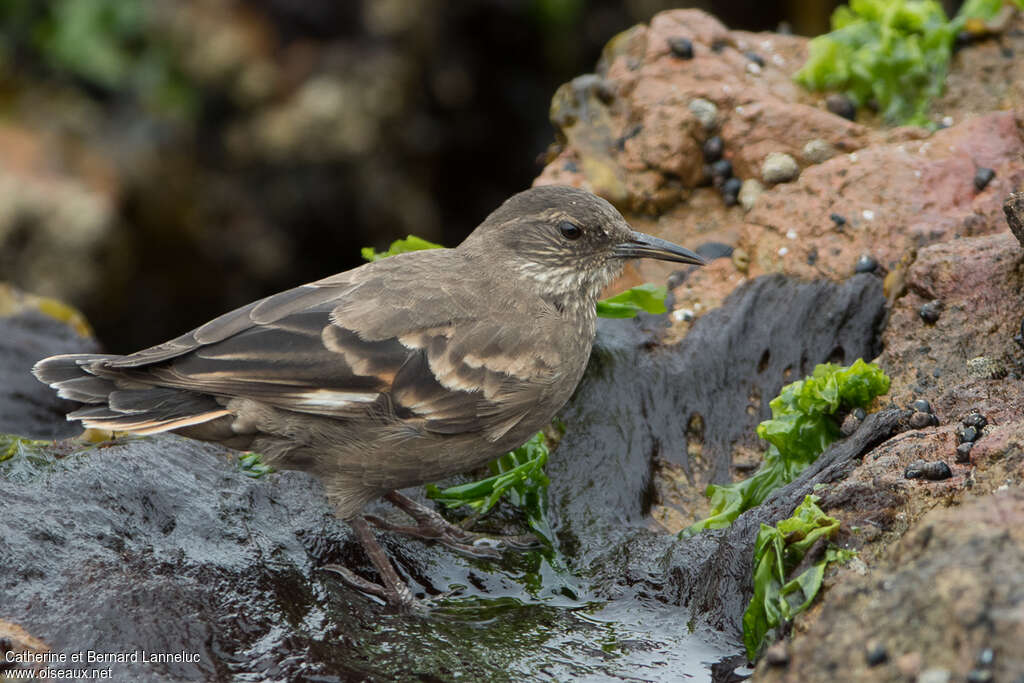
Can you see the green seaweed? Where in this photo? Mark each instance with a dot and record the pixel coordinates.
(252, 465)
(520, 474)
(410, 243)
(647, 297)
(894, 53)
(778, 551)
(801, 427)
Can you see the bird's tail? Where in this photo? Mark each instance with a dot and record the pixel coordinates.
(118, 401)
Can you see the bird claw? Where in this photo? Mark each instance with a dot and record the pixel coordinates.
(398, 597)
(433, 527)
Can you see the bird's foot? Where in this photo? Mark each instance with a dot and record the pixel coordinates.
(398, 596)
(392, 589)
(432, 526)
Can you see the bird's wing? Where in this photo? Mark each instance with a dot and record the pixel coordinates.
(363, 342)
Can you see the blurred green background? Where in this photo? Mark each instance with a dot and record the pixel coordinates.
(165, 161)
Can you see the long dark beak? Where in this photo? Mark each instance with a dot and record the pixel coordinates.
(640, 245)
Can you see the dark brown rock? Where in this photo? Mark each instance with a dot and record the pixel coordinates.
(1013, 207)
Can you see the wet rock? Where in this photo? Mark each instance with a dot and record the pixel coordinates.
(1013, 209)
(779, 168)
(933, 471)
(982, 177)
(921, 406)
(681, 47)
(712, 372)
(841, 105)
(931, 311)
(32, 328)
(963, 452)
(749, 193)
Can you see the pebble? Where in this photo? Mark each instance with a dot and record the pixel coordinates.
(749, 193)
(933, 471)
(714, 250)
(705, 111)
(719, 44)
(841, 105)
(968, 434)
(839, 220)
(876, 654)
(681, 47)
(860, 414)
(922, 420)
(817, 151)
(850, 425)
(721, 171)
(713, 148)
(935, 675)
(1013, 209)
(1020, 337)
(963, 452)
(741, 260)
(985, 367)
(930, 311)
(921, 406)
(754, 57)
(776, 655)
(976, 420)
(982, 177)
(731, 191)
(779, 168)
(866, 264)
(979, 676)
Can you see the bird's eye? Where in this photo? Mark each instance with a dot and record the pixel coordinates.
(570, 231)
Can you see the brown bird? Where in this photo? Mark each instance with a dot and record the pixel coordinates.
(396, 373)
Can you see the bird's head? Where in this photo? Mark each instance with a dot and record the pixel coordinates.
(569, 242)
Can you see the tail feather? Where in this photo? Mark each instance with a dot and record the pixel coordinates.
(56, 370)
(123, 403)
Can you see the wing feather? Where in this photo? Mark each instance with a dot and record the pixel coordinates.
(361, 342)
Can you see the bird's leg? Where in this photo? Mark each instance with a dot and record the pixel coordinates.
(394, 592)
(432, 526)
